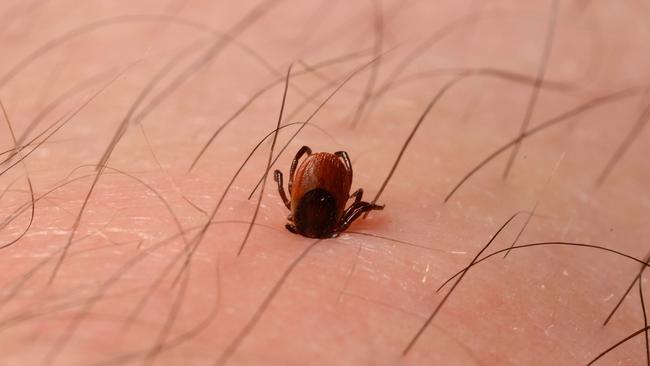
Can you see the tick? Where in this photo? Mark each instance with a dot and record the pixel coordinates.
(320, 190)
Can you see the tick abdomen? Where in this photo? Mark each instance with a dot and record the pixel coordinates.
(322, 171)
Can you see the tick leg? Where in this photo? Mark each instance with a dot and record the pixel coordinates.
(358, 194)
(346, 159)
(291, 228)
(294, 163)
(353, 213)
(277, 176)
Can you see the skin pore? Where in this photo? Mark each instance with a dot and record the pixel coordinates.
(125, 182)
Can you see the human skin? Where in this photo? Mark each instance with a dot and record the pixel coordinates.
(73, 285)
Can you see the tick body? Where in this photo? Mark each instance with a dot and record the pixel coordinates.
(319, 190)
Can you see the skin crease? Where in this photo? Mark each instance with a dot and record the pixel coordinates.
(354, 300)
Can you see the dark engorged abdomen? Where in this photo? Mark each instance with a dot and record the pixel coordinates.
(315, 215)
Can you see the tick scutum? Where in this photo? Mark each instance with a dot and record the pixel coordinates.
(316, 214)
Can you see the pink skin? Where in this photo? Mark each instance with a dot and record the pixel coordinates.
(353, 300)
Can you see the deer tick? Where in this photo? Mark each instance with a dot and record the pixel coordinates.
(319, 189)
